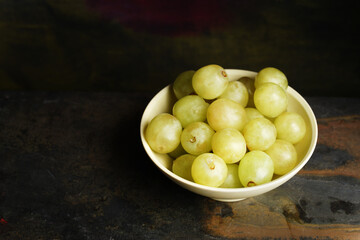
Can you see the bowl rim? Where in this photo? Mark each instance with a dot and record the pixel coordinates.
(263, 187)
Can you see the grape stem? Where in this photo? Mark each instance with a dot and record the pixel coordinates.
(210, 163)
(251, 184)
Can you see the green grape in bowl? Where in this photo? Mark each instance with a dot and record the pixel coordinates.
(270, 100)
(210, 81)
(196, 138)
(189, 109)
(255, 168)
(163, 133)
(209, 169)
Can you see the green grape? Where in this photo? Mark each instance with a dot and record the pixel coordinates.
(290, 127)
(224, 113)
(210, 82)
(163, 133)
(209, 169)
(272, 75)
(284, 156)
(259, 134)
(190, 109)
(182, 166)
(232, 180)
(237, 92)
(183, 84)
(229, 144)
(255, 168)
(252, 113)
(270, 99)
(177, 152)
(196, 138)
(249, 84)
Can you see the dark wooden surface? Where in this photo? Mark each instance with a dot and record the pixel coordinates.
(72, 167)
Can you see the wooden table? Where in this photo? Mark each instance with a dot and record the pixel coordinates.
(73, 167)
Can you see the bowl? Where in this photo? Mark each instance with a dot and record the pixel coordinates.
(163, 102)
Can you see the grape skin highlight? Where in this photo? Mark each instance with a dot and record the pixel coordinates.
(190, 109)
(196, 138)
(284, 156)
(229, 144)
(255, 168)
(163, 133)
(270, 100)
(291, 127)
(272, 75)
(210, 82)
(209, 169)
(259, 134)
(224, 113)
(237, 92)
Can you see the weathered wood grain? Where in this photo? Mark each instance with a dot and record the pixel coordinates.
(341, 134)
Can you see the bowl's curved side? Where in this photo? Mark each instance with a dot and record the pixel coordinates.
(160, 103)
(236, 74)
(306, 146)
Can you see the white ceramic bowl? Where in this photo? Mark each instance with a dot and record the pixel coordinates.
(163, 102)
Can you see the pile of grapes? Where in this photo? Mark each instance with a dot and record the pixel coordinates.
(228, 134)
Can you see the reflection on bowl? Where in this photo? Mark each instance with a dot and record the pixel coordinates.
(163, 102)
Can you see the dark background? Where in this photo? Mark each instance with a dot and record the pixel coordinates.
(141, 46)
(71, 161)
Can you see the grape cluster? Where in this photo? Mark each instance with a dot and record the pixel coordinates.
(225, 133)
